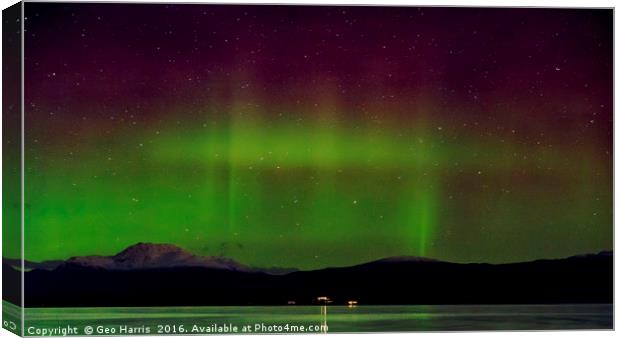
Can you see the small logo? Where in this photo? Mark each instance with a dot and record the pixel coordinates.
(10, 325)
(88, 330)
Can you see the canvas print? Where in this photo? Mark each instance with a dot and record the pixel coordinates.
(201, 168)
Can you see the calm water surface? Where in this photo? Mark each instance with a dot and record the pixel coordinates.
(338, 318)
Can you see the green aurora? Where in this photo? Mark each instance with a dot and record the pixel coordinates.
(344, 160)
(312, 193)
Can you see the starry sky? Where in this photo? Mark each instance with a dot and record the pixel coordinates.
(300, 136)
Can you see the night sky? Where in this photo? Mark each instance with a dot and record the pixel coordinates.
(308, 137)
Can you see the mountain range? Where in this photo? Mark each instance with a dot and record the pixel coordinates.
(148, 274)
(142, 256)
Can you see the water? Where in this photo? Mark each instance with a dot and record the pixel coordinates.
(270, 319)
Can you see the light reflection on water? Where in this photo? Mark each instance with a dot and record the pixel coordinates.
(347, 319)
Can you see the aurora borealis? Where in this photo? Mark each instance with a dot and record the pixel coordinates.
(307, 137)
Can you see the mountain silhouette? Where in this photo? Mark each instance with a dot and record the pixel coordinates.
(154, 256)
(148, 274)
